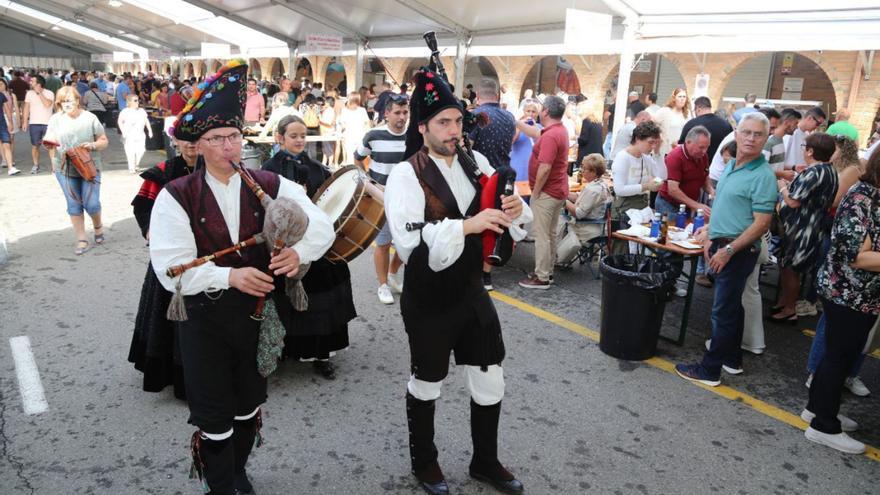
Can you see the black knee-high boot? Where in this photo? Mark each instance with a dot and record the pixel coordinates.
(423, 452)
(485, 465)
(244, 434)
(214, 463)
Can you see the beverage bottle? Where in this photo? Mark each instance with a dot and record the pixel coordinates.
(655, 226)
(664, 229)
(681, 218)
(699, 220)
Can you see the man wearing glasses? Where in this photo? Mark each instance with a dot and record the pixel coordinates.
(744, 203)
(794, 146)
(199, 214)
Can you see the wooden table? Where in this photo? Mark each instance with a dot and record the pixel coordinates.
(692, 254)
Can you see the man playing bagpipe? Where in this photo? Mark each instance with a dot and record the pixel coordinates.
(203, 213)
(432, 203)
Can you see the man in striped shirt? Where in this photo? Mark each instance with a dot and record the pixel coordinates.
(385, 145)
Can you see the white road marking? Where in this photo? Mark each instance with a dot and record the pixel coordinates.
(32, 397)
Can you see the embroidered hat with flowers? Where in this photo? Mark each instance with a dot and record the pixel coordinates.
(217, 102)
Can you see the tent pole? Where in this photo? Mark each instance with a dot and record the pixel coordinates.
(627, 55)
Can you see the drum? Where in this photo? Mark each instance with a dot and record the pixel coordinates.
(355, 206)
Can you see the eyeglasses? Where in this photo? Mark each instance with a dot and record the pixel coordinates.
(234, 138)
(752, 134)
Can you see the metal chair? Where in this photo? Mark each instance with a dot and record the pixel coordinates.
(597, 247)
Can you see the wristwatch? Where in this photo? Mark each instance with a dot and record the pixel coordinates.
(729, 249)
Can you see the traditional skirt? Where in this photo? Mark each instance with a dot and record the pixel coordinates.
(154, 347)
(322, 329)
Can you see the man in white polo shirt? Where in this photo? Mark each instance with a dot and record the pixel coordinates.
(385, 145)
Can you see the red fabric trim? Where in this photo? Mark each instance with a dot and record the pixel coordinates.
(149, 190)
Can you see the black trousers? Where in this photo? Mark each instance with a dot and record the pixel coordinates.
(847, 331)
(218, 347)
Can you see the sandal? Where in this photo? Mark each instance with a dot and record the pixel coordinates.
(99, 238)
(789, 319)
(82, 246)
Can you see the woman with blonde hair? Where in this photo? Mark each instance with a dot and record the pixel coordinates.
(671, 119)
(70, 127)
(354, 122)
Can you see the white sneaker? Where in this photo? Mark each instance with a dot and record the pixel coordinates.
(13, 170)
(679, 292)
(384, 294)
(856, 386)
(731, 370)
(805, 308)
(395, 281)
(846, 424)
(809, 380)
(840, 441)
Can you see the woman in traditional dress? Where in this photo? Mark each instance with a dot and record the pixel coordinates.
(154, 349)
(318, 332)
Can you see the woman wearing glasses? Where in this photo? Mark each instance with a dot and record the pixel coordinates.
(68, 128)
(804, 215)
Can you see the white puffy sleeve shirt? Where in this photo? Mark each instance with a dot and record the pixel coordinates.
(172, 241)
(405, 203)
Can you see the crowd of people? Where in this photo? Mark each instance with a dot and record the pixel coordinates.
(771, 184)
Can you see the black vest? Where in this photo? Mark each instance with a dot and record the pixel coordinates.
(424, 289)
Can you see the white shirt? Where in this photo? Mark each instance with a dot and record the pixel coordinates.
(716, 168)
(172, 241)
(629, 172)
(623, 138)
(794, 152)
(866, 154)
(405, 203)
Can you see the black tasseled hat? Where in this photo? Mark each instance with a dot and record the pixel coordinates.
(217, 102)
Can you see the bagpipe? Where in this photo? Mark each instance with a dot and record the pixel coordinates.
(497, 248)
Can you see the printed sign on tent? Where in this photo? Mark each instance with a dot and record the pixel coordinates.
(323, 44)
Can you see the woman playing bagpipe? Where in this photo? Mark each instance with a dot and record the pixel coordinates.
(432, 202)
(154, 349)
(318, 332)
(216, 302)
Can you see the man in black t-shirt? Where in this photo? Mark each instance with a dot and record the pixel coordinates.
(718, 127)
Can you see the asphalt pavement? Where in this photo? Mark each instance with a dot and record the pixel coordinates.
(574, 420)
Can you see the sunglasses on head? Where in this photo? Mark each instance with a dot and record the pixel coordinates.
(400, 99)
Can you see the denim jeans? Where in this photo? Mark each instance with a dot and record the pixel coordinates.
(847, 331)
(662, 206)
(80, 194)
(606, 147)
(728, 314)
(817, 351)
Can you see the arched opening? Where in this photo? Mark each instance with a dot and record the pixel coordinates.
(277, 69)
(334, 77)
(413, 67)
(254, 69)
(652, 73)
(478, 68)
(166, 69)
(374, 73)
(781, 76)
(188, 70)
(215, 67)
(203, 69)
(551, 75)
(304, 70)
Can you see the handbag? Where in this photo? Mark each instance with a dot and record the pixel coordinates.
(82, 162)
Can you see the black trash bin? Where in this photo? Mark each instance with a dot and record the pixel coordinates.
(156, 142)
(635, 289)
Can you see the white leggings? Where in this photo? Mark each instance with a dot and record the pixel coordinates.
(486, 387)
(133, 155)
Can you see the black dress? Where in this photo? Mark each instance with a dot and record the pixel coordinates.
(323, 328)
(154, 349)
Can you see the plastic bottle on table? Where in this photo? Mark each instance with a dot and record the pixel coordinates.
(655, 226)
(699, 220)
(681, 218)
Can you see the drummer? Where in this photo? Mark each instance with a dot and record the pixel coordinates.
(317, 333)
(386, 145)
